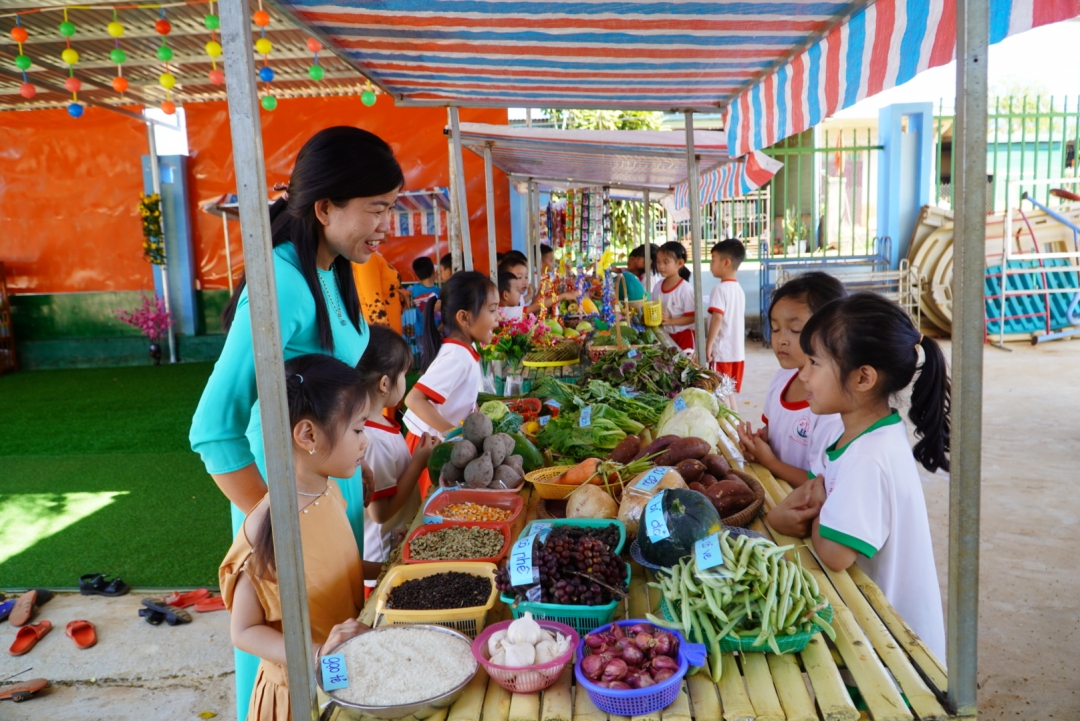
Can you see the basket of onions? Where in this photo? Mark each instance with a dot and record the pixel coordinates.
(632, 668)
(525, 656)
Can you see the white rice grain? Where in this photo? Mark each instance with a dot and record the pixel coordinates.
(397, 665)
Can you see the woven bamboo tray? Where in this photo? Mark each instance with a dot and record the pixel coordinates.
(745, 517)
(541, 480)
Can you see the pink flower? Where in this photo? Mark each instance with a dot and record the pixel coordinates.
(151, 319)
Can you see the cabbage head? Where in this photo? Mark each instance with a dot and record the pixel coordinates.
(696, 422)
(693, 397)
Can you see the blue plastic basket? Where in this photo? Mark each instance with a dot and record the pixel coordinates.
(580, 618)
(641, 701)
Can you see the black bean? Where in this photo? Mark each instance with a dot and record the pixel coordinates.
(440, 591)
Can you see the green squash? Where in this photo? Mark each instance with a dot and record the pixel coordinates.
(440, 456)
(530, 456)
(689, 516)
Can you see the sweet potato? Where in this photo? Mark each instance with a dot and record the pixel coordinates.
(708, 480)
(716, 465)
(695, 486)
(683, 449)
(691, 470)
(660, 444)
(730, 497)
(626, 450)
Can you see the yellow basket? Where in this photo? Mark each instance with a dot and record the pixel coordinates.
(542, 478)
(550, 364)
(654, 313)
(469, 621)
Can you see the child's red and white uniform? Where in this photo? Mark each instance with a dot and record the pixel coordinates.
(451, 383)
(677, 303)
(729, 348)
(511, 312)
(388, 457)
(797, 435)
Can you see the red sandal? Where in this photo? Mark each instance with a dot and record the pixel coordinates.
(214, 603)
(28, 636)
(82, 633)
(184, 600)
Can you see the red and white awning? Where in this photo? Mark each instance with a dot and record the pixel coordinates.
(732, 180)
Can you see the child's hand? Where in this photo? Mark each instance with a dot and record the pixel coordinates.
(794, 516)
(341, 633)
(755, 446)
(368, 480)
(709, 355)
(665, 319)
(425, 447)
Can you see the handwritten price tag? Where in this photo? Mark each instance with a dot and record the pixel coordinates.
(707, 552)
(334, 675)
(652, 478)
(552, 403)
(540, 529)
(632, 353)
(655, 525)
(521, 563)
(543, 420)
(628, 392)
(586, 417)
(680, 404)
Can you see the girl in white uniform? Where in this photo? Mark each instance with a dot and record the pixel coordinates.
(396, 496)
(675, 294)
(793, 435)
(446, 392)
(864, 504)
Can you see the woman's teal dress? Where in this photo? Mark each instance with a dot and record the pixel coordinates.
(227, 429)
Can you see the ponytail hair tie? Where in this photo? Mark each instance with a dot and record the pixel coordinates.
(284, 189)
(302, 377)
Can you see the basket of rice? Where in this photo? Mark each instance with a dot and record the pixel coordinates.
(419, 671)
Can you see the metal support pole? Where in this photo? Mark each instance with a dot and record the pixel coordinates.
(648, 242)
(250, 171)
(530, 218)
(528, 117)
(969, 244)
(453, 228)
(536, 257)
(155, 186)
(694, 181)
(489, 189)
(228, 250)
(438, 254)
(463, 202)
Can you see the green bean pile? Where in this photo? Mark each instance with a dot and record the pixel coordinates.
(756, 593)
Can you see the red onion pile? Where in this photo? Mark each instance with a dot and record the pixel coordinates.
(624, 658)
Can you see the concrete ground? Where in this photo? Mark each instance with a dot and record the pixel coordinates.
(1029, 625)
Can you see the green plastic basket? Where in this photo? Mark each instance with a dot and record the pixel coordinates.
(580, 523)
(787, 644)
(582, 619)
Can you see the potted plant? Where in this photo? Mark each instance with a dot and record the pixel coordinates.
(152, 320)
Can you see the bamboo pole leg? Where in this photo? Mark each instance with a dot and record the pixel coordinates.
(459, 186)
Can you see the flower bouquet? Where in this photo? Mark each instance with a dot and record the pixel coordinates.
(151, 319)
(513, 339)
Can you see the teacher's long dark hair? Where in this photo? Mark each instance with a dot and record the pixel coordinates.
(339, 163)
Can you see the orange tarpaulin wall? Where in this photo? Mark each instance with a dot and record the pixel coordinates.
(416, 134)
(69, 194)
(69, 189)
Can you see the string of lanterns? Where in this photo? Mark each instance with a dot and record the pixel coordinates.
(167, 79)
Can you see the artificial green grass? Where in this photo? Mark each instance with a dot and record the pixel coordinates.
(96, 475)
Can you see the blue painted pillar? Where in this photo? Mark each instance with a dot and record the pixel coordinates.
(904, 173)
(519, 218)
(179, 251)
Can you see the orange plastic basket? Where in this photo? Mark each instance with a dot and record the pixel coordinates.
(503, 528)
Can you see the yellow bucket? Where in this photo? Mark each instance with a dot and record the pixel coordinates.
(653, 313)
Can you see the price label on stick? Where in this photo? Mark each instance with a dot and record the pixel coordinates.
(655, 525)
(632, 353)
(680, 404)
(552, 403)
(586, 417)
(707, 552)
(521, 562)
(334, 675)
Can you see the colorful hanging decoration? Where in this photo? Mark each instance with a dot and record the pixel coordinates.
(368, 97)
(22, 61)
(154, 237)
(167, 80)
(263, 47)
(607, 299)
(71, 56)
(213, 47)
(315, 72)
(116, 55)
(606, 210)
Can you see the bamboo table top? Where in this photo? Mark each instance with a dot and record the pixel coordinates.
(873, 646)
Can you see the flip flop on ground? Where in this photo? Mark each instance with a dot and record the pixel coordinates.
(6, 607)
(23, 690)
(152, 617)
(213, 603)
(96, 584)
(82, 633)
(184, 600)
(173, 616)
(28, 636)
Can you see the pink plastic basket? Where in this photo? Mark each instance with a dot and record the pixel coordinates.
(641, 701)
(532, 678)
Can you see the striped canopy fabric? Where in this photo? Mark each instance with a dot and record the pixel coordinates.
(652, 159)
(778, 67)
(732, 180)
(415, 212)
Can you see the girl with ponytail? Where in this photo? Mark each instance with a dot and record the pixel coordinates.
(675, 294)
(864, 502)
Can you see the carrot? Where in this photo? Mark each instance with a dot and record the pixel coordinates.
(579, 474)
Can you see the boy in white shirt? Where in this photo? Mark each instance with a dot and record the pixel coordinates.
(726, 345)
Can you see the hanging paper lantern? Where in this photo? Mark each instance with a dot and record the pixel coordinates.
(212, 22)
(73, 84)
(266, 74)
(120, 83)
(167, 80)
(213, 49)
(315, 72)
(67, 29)
(27, 90)
(115, 29)
(269, 102)
(263, 46)
(163, 27)
(70, 56)
(217, 77)
(261, 18)
(168, 107)
(314, 45)
(165, 53)
(19, 34)
(118, 56)
(23, 62)
(368, 97)
(75, 110)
